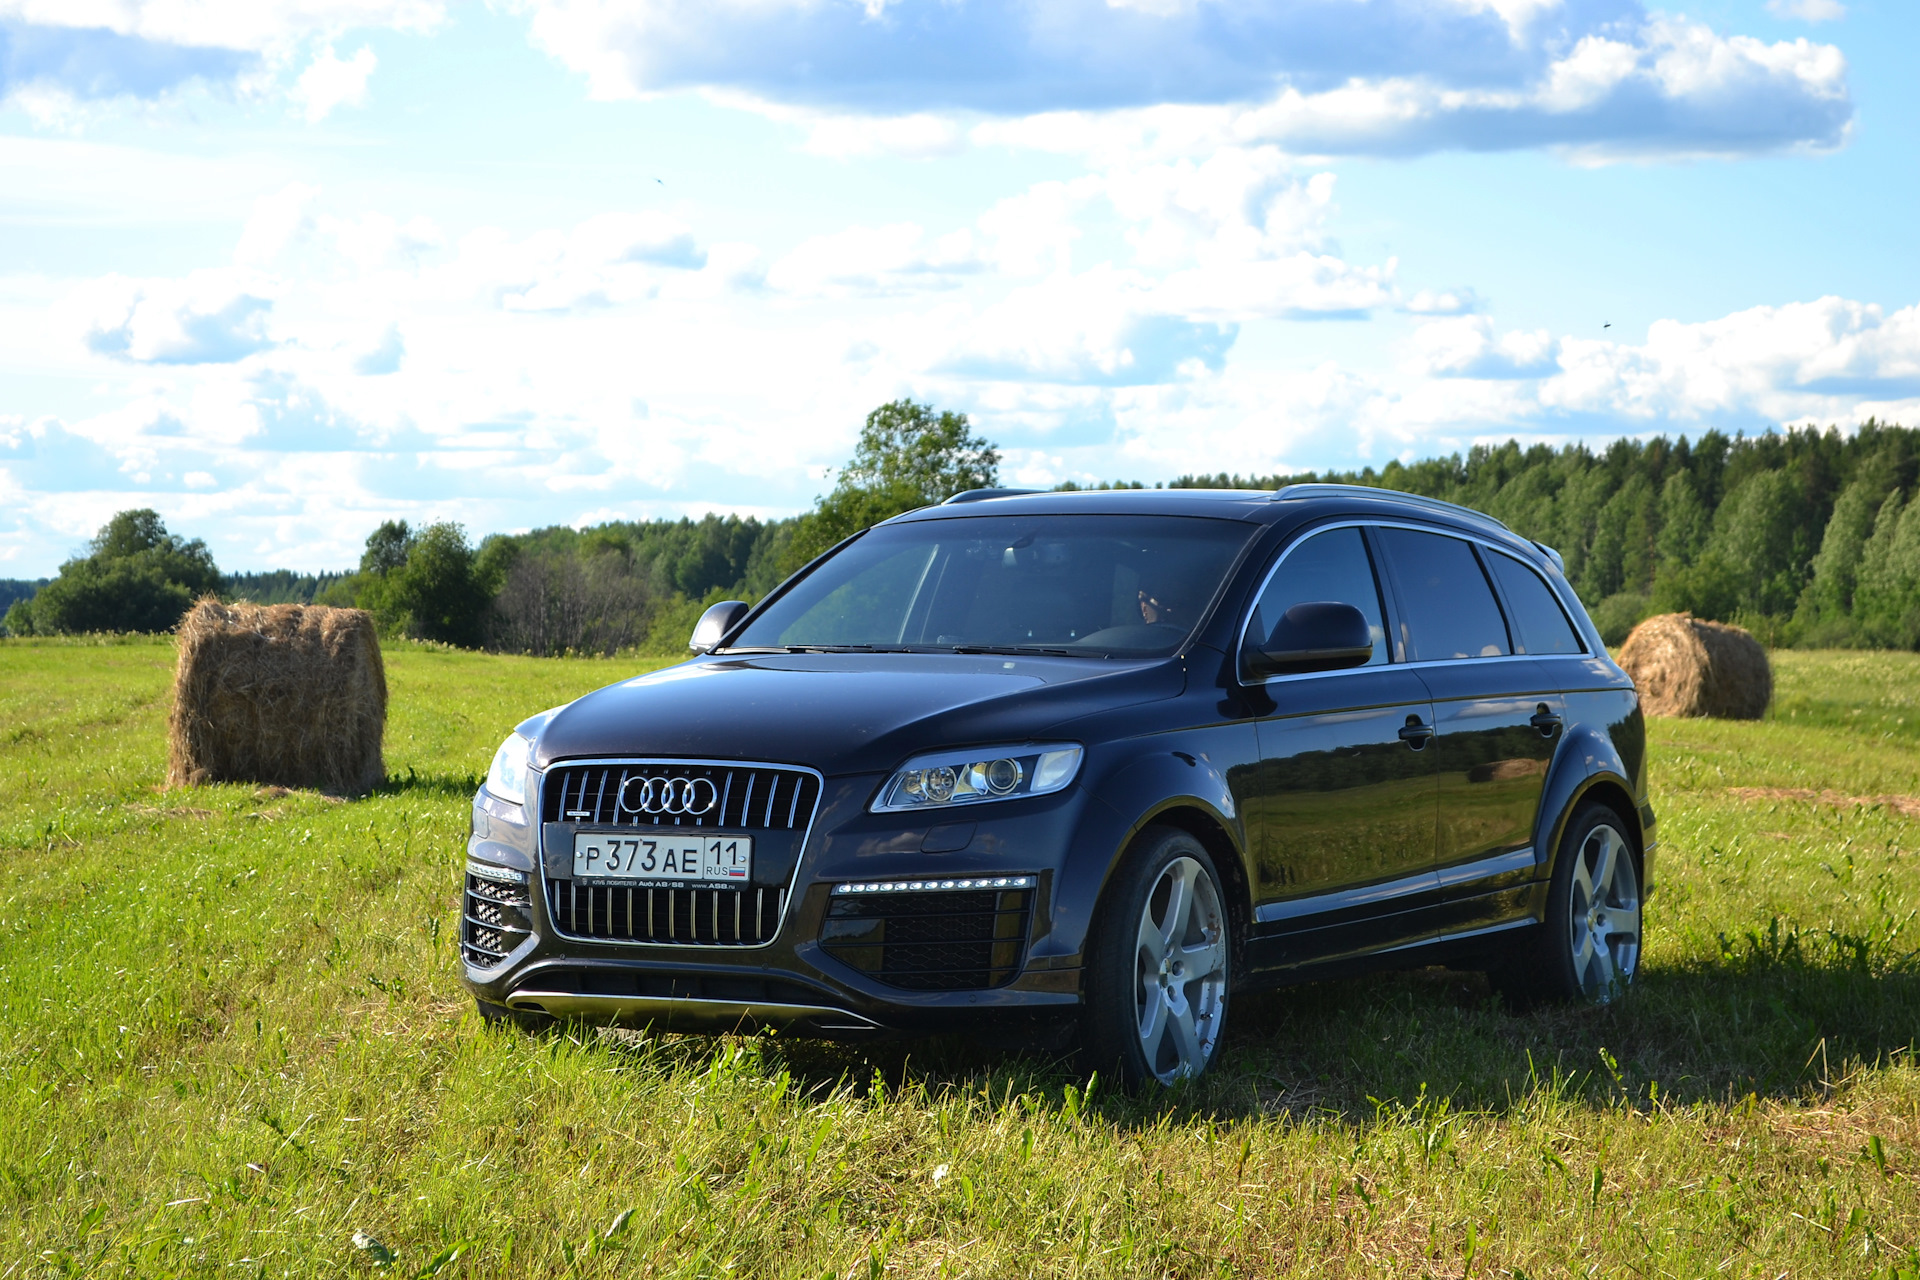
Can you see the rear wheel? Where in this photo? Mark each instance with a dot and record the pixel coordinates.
(1589, 948)
(1159, 963)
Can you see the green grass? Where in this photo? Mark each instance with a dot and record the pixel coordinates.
(231, 1037)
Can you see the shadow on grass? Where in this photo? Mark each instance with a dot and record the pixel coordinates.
(1776, 1021)
(431, 786)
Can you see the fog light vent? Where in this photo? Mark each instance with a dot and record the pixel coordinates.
(931, 935)
(498, 914)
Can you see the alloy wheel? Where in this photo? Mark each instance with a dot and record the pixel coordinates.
(1181, 971)
(1603, 909)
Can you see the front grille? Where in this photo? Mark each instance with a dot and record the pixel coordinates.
(931, 938)
(746, 797)
(696, 917)
(749, 798)
(498, 915)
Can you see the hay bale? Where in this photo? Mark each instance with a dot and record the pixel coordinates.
(1686, 666)
(289, 695)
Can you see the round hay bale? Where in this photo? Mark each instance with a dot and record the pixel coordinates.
(287, 695)
(1686, 666)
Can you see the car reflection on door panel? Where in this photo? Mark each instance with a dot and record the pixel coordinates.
(1497, 714)
(1491, 750)
(1341, 810)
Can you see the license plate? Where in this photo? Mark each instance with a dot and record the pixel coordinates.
(668, 857)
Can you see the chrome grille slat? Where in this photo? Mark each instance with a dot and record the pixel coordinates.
(747, 799)
(605, 783)
(680, 919)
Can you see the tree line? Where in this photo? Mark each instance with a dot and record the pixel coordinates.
(1806, 537)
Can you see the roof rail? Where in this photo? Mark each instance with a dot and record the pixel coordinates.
(981, 495)
(1293, 491)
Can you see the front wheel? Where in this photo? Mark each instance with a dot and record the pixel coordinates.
(1589, 947)
(1159, 963)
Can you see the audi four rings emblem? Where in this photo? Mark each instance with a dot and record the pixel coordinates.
(669, 797)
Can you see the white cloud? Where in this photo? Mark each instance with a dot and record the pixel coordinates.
(1443, 302)
(67, 61)
(1102, 327)
(330, 82)
(277, 221)
(384, 356)
(253, 25)
(1808, 10)
(608, 259)
(1829, 360)
(209, 317)
(898, 258)
(1313, 76)
(377, 240)
(1467, 347)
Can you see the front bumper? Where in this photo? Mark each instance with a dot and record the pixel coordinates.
(792, 980)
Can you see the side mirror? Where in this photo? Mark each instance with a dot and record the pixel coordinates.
(715, 623)
(1318, 635)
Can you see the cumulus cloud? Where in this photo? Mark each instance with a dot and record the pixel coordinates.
(1468, 347)
(331, 81)
(1101, 327)
(214, 24)
(1313, 76)
(384, 356)
(209, 317)
(1808, 10)
(1443, 302)
(608, 259)
(1828, 359)
(54, 53)
(54, 61)
(893, 259)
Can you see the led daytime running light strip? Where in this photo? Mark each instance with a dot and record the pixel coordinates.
(500, 875)
(921, 886)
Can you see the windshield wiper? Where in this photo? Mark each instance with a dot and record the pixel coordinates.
(841, 648)
(1024, 648)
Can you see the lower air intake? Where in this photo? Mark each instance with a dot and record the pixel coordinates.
(691, 917)
(931, 938)
(497, 915)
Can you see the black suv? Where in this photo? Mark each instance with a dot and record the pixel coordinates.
(1099, 760)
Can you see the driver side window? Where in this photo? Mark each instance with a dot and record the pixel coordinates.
(1333, 565)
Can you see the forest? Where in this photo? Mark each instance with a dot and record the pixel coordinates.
(1808, 538)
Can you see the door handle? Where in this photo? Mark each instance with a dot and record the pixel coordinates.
(1545, 721)
(1415, 734)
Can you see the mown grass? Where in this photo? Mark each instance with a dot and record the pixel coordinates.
(231, 1038)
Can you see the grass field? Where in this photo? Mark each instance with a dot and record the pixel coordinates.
(231, 1038)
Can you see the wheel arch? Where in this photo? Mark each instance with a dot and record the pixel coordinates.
(1587, 762)
(1215, 833)
(1611, 790)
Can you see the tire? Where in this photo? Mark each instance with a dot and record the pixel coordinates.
(1159, 963)
(1588, 950)
(500, 1016)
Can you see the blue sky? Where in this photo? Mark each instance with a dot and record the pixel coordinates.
(288, 268)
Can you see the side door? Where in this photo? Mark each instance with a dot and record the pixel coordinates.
(1340, 809)
(1497, 716)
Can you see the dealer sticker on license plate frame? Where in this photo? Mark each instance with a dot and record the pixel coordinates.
(662, 856)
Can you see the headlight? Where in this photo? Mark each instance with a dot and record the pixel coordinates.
(507, 775)
(945, 779)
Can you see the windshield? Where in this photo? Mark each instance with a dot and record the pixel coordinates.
(1090, 585)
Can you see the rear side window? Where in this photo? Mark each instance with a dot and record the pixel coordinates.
(1327, 566)
(1537, 617)
(1447, 607)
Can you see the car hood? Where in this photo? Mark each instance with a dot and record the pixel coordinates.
(844, 713)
